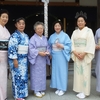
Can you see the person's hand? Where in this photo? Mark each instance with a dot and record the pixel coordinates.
(47, 53)
(15, 61)
(76, 54)
(42, 53)
(60, 46)
(97, 47)
(82, 55)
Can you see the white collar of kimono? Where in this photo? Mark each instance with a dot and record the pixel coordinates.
(40, 37)
(83, 28)
(59, 32)
(22, 33)
(2, 26)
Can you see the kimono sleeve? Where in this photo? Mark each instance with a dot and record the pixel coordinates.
(50, 45)
(73, 47)
(96, 37)
(13, 47)
(72, 39)
(67, 48)
(33, 52)
(47, 57)
(90, 48)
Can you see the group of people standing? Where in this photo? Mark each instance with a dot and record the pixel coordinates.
(17, 50)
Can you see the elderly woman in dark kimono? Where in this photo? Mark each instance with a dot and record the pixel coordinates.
(38, 57)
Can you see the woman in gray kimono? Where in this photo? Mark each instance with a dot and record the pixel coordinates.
(97, 59)
(38, 57)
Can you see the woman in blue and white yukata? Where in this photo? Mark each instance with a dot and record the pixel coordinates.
(17, 54)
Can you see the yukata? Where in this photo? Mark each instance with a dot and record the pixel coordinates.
(60, 59)
(18, 49)
(37, 62)
(4, 36)
(97, 60)
(83, 41)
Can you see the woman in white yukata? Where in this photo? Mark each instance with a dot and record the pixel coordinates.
(4, 36)
(17, 54)
(38, 58)
(83, 49)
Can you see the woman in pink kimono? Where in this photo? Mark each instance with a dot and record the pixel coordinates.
(4, 36)
(83, 48)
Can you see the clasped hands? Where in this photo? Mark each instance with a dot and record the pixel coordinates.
(44, 53)
(60, 46)
(79, 55)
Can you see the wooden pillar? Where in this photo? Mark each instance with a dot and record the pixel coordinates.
(64, 22)
(98, 13)
(77, 1)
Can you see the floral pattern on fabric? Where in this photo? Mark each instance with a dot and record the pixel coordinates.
(20, 74)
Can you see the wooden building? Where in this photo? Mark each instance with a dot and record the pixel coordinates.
(64, 10)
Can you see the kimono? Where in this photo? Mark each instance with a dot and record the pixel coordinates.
(97, 60)
(37, 62)
(60, 59)
(18, 49)
(4, 36)
(83, 41)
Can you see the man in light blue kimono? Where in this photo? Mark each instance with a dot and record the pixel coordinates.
(17, 53)
(60, 52)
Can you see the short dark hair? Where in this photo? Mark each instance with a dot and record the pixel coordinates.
(18, 19)
(3, 11)
(57, 21)
(82, 17)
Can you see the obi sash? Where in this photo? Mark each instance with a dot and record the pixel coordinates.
(54, 47)
(99, 41)
(80, 42)
(3, 44)
(22, 49)
(41, 49)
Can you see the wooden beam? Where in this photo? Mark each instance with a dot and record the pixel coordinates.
(63, 4)
(17, 3)
(30, 3)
